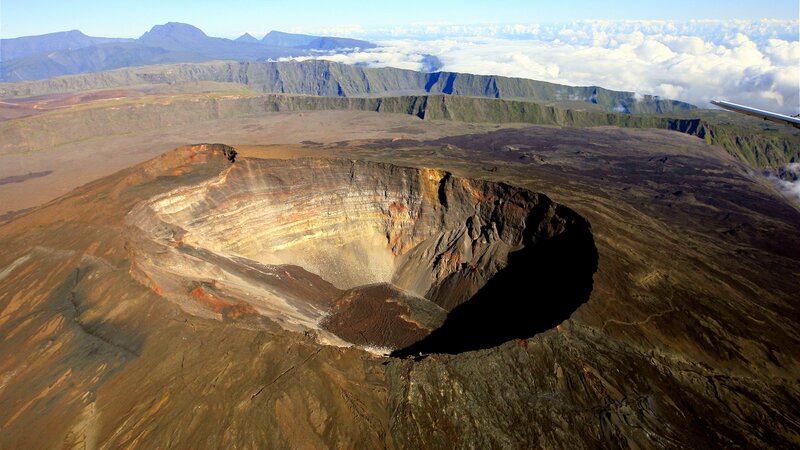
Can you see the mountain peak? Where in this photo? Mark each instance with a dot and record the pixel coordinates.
(174, 30)
(247, 37)
(282, 39)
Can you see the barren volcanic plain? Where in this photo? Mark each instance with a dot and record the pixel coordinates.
(364, 278)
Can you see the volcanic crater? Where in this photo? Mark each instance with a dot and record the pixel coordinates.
(389, 258)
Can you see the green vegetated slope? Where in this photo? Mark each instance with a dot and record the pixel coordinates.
(747, 139)
(329, 79)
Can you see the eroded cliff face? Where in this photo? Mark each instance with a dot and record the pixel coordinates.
(358, 252)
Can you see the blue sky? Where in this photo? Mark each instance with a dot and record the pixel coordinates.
(231, 18)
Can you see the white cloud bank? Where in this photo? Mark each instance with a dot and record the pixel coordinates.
(756, 63)
(789, 182)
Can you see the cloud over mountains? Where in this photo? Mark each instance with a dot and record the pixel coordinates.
(751, 62)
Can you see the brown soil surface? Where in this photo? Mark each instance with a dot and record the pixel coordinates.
(689, 338)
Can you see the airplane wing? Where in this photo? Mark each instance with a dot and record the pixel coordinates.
(766, 115)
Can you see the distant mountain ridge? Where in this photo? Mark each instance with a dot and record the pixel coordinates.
(174, 34)
(247, 37)
(72, 52)
(281, 39)
(329, 79)
(286, 39)
(63, 40)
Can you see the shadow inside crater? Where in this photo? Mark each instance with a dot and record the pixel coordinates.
(540, 287)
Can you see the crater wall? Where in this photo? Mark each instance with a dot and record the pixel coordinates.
(357, 252)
